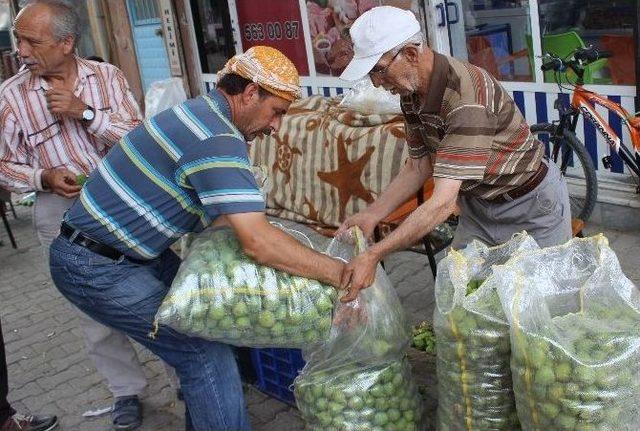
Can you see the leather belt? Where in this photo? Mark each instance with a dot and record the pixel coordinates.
(525, 188)
(77, 237)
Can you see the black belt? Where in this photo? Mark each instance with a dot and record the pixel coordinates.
(77, 237)
(525, 188)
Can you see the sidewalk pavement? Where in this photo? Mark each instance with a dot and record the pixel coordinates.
(49, 371)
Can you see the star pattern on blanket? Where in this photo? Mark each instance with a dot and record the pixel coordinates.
(347, 178)
(284, 156)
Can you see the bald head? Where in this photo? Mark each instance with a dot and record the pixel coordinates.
(59, 15)
(46, 32)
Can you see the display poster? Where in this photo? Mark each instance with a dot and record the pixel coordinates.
(275, 23)
(329, 22)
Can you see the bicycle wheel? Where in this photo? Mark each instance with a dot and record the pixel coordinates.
(563, 147)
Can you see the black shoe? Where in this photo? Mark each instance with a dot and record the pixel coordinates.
(127, 413)
(20, 422)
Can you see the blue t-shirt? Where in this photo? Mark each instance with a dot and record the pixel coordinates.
(173, 174)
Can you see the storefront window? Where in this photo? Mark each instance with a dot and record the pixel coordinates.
(493, 34)
(213, 32)
(605, 24)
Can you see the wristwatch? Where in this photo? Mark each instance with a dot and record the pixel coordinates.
(88, 114)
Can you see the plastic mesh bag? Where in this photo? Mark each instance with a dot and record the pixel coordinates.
(575, 336)
(221, 294)
(360, 379)
(472, 338)
(364, 98)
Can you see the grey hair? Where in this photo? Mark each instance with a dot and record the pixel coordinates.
(416, 39)
(65, 21)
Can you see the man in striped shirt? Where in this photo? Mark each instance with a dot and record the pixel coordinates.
(58, 117)
(176, 173)
(463, 130)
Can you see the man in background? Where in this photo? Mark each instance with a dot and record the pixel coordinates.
(58, 117)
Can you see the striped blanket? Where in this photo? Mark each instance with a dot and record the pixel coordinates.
(326, 163)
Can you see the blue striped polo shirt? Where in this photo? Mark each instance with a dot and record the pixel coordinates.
(173, 174)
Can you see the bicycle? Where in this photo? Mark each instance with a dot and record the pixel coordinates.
(562, 142)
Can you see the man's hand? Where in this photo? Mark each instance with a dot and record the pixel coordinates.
(61, 181)
(366, 220)
(358, 274)
(64, 102)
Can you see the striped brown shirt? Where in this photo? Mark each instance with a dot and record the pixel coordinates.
(474, 129)
(33, 139)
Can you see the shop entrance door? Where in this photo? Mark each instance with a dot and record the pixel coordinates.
(148, 39)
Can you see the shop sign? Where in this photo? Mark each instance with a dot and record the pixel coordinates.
(170, 34)
(275, 23)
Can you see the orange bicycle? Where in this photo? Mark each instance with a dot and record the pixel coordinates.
(564, 147)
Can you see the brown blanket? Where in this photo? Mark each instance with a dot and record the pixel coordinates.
(326, 163)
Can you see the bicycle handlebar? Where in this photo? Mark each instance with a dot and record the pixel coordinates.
(577, 60)
(553, 64)
(590, 54)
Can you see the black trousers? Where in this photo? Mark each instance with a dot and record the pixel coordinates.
(5, 409)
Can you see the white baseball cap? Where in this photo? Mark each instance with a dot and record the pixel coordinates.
(375, 32)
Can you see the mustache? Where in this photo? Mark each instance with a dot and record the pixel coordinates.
(265, 132)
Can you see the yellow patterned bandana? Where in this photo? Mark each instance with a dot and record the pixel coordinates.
(267, 67)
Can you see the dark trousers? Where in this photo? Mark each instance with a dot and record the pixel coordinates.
(5, 409)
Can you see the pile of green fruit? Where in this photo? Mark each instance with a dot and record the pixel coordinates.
(27, 200)
(423, 338)
(220, 294)
(374, 398)
(473, 365)
(580, 373)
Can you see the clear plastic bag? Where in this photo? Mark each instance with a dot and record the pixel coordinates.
(472, 339)
(575, 336)
(360, 397)
(28, 200)
(162, 95)
(360, 379)
(364, 98)
(221, 294)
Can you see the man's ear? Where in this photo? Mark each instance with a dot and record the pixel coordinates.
(411, 53)
(251, 92)
(68, 45)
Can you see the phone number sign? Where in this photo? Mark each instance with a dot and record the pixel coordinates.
(275, 23)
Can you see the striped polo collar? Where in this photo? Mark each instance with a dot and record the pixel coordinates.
(437, 85)
(222, 102)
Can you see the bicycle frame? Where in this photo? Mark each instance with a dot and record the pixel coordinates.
(584, 102)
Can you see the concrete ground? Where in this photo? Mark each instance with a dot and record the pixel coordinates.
(50, 372)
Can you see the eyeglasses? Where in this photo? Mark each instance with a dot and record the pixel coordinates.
(380, 71)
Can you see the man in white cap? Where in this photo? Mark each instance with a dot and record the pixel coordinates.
(464, 130)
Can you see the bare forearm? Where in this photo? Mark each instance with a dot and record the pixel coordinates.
(422, 221)
(283, 252)
(403, 187)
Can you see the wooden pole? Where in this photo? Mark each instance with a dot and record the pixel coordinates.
(188, 49)
(122, 47)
